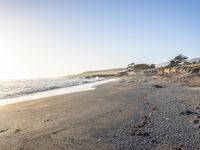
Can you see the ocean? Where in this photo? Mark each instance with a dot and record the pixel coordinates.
(20, 88)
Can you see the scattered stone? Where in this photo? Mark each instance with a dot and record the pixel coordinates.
(154, 141)
(145, 134)
(153, 108)
(198, 117)
(195, 121)
(138, 132)
(188, 112)
(178, 148)
(47, 120)
(157, 86)
(17, 130)
(143, 121)
(197, 108)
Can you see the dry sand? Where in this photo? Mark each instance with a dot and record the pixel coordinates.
(135, 113)
(66, 121)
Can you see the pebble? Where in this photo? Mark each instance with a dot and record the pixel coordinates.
(197, 108)
(195, 121)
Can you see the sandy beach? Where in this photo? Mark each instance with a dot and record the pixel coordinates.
(133, 113)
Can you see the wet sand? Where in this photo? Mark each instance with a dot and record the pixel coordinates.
(133, 113)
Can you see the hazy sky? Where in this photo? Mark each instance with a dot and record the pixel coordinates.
(42, 38)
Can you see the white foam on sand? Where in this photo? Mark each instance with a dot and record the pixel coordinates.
(68, 90)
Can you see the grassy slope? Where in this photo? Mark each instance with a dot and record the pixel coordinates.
(108, 72)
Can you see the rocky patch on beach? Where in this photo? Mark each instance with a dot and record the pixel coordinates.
(166, 121)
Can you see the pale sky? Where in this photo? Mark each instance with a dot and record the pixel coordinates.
(44, 38)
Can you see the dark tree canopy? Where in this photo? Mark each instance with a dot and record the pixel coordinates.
(178, 60)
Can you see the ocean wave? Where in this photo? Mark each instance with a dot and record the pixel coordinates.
(17, 88)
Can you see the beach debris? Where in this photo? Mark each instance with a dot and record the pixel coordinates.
(3, 130)
(138, 130)
(17, 130)
(157, 86)
(47, 120)
(187, 112)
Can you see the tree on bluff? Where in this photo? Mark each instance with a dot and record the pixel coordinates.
(177, 60)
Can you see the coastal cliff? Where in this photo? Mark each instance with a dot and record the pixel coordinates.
(172, 71)
(185, 69)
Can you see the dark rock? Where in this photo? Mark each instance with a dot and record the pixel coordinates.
(195, 121)
(198, 117)
(157, 86)
(146, 134)
(197, 108)
(188, 112)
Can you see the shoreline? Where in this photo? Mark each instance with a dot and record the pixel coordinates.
(55, 92)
